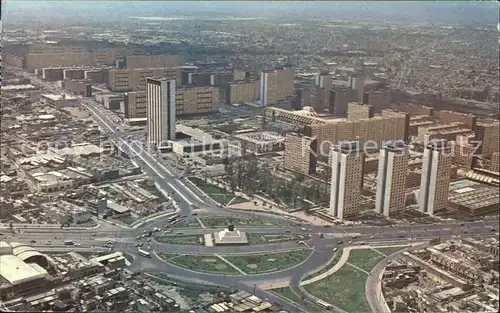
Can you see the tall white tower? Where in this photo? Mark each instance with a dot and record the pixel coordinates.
(160, 99)
(435, 181)
(347, 179)
(391, 177)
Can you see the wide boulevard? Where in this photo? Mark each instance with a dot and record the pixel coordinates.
(193, 204)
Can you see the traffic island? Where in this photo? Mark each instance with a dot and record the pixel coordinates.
(288, 295)
(239, 264)
(345, 287)
(253, 239)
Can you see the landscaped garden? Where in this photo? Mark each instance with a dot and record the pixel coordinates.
(345, 288)
(219, 195)
(219, 221)
(181, 239)
(268, 262)
(252, 264)
(184, 223)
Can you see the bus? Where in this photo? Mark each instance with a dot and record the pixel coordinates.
(324, 305)
(68, 242)
(144, 253)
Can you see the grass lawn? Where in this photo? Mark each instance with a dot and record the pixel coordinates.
(218, 221)
(365, 258)
(390, 250)
(268, 262)
(261, 239)
(336, 258)
(127, 220)
(287, 294)
(202, 263)
(181, 240)
(216, 193)
(344, 289)
(152, 189)
(192, 223)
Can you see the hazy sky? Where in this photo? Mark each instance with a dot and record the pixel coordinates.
(459, 12)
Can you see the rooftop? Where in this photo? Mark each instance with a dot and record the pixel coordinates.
(16, 271)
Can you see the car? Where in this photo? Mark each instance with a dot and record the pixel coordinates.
(326, 226)
(340, 242)
(493, 229)
(466, 232)
(194, 214)
(401, 236)
(349, 242)
(94, 234)
(301, 242)
(139, 237)
(78, 244)
(354, 237)
(48, 243)
(33, 241)
(149, 239)
(321, 236)
(462, 225)
(335, 249)
(136, 245)
(371, 237)
(303, 229)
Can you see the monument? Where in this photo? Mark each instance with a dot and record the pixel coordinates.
(230, 236)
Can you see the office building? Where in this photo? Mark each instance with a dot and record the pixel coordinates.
(315, 97)
(300, 153)
(241, 92)
(347, 179)
(276, 85)
(357, 111)
(436, 171)
(120, 80)
(53, 74)
(153, 61)
(495, 162)
(391, 178)
(379, 100)
(160, 98)
(74, 73)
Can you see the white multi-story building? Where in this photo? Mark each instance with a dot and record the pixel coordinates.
(347, 179)
(391, 178)
(160, 98)
(435, 182)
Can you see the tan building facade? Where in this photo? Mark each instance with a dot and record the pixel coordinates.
(33, 61)
(391, 178)
(435, 181)
(347, 179)
(153, 61)
(135, 104)
(495, 162)
(120, 80)
(242, 92)
(489, 135)
(276, 85)
(300, 154)
(196, 100)
(448, 117)
(357, 111)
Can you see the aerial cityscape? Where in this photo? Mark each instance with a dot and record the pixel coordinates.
(235, 156)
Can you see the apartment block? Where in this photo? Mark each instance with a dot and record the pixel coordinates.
(78, 87)
(160, 98)
(241, 92)
(109, 56)
(356, 83)
(53, 74)
(357, 111)
(276, 85)
(442, 131)
(33, 61)
(435, 181)
(448, 117)
(153, 61)
(489, 135)
(463, 151)
(347, 179)
(73, 73)
(391, 178)
(315, 97)
(135, 104)
(196, 100)
(48, 49)
(495, 162)
(121, 80)
(415, 109)
(379, 100)
(97, 76)
(338, 101)
(300, 154)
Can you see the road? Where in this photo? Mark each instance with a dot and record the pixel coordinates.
(188, 198)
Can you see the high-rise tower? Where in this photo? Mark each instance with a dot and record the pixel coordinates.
(160, 98)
